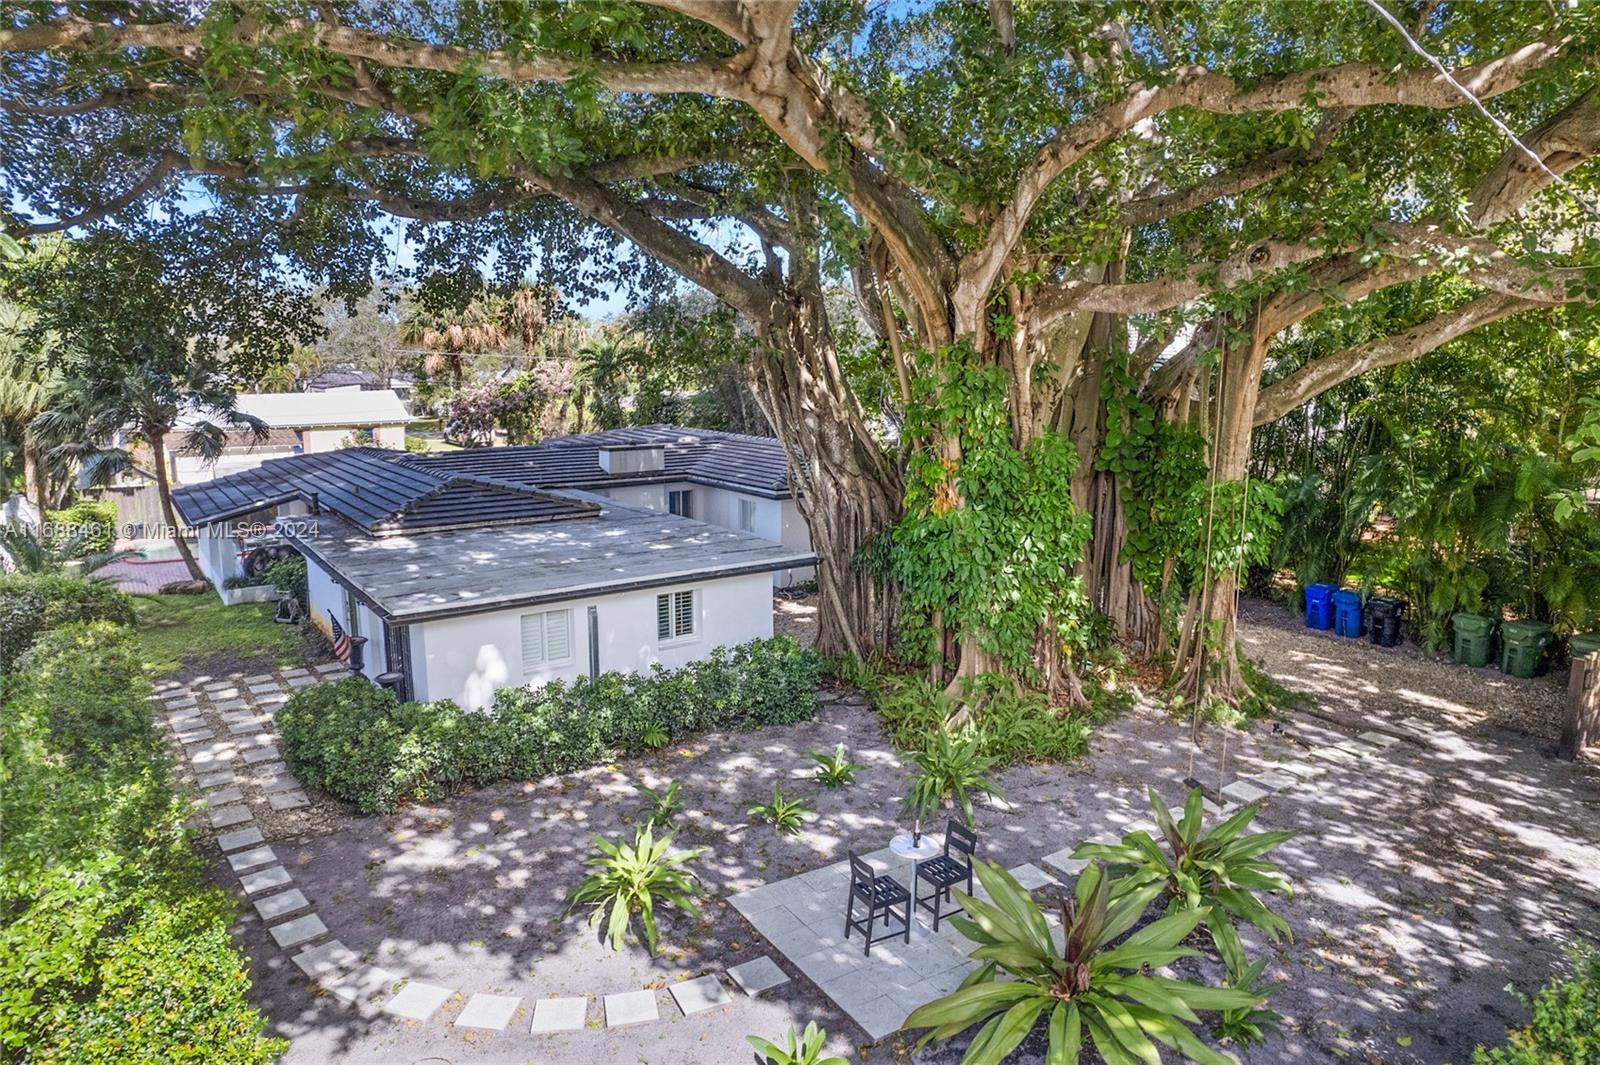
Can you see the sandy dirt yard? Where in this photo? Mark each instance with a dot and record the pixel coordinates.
(1426, 878)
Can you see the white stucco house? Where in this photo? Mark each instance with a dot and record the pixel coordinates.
(470, 571)
(298, 423)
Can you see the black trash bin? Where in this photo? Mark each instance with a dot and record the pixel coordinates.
(1383, 619)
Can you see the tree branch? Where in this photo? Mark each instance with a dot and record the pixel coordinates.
(1566, 139)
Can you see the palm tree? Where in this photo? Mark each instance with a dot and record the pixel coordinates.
(449, 336)
(603, 364)
(145, 404)
(28, 387)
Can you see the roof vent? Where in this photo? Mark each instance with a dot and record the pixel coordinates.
(633, 458)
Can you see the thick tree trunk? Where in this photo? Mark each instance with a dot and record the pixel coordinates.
(1207, 666)
(847, 489)
(35, 483)
(158, 454)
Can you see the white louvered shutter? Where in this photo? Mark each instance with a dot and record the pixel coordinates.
(558, 636)
(532, 641)
(663, 617)
(683, 614)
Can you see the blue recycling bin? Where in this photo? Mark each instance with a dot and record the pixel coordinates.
(1347, 612)
(1319, 606)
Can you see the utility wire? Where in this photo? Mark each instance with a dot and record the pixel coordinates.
(1511, 136)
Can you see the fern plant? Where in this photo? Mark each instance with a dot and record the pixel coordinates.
(1093, 990)
(835, 770)
(805, 1049)
(785, 815)
(664, 804)
(1218, 874)
(654, 736)
(636, 877)
(950, 772)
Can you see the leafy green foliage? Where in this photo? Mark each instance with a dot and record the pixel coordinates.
(359, 742)
(112, 948)
(288, 575)
(89, 526)
(1094, 990)
(664, 804)
(1217, 874)
(805, 1049)
(835, 770)
(1249, 1026)
(1011, 726)
(31, 603)
(785, 815)
(988, 541)
(1565, 1029)
(950, 772)
(636, 878)
(58, 552)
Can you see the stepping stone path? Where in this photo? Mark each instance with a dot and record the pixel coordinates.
(559, 1015)
(493, 1012)
(1031, 876)
(417, 1001)
(701, 993)
(758, 975)
(631, 1007)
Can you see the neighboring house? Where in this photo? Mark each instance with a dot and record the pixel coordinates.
(473, 571)
(298, 423)
(346, 379)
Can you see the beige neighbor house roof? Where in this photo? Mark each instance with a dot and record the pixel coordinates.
(315, 410)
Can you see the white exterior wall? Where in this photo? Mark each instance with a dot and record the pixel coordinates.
(467, 658)
(777, 520)
(643, 496)
(217, 553)
(327, 594)
(390, 436)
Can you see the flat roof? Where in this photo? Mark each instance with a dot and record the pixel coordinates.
(411, 578)
(312, 410)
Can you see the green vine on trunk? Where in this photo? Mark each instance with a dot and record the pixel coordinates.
(989, 541)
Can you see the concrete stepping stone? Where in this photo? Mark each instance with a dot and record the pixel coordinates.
(196, 736)
(297, 671)
(1358, 749)
(331, 667)
(758, 975)
(360, 985)
(300, 930)
(221, 797)
(1303, 770)
(288, 800)
(417, 1001)
(1379, 739)
(251, 858)
(259, 678)
(248, 728)
(223, 816)
(265, 880)
(262, 754)
(1276, 780)
(631, 1007)
(282, 904)
(700, 994)
(559, 1015)
(230, 704)
(491, 1012)
(216, 779)
(302, 682)
(1335, 755)
(1030, 876)
(282, 782)
(266, 687)
(1243, 791)
(1063, 861)
(331, 957)
(244, 837)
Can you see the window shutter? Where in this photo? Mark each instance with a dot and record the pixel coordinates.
(532, 641)
(683, 620)
(558, 635)
(663, 618)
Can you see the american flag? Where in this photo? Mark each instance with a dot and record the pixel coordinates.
(341, 639)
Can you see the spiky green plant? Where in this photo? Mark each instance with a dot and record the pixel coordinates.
(653, 736)
(30, 553)
(636, 878)
(783, 814)
(801, 1050)
(835, 770)
(950, 771)
(1219, 874)
(1096, 989)
(1249, 1025)
(664, 804)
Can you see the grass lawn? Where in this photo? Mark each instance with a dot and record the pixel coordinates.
(178, 632)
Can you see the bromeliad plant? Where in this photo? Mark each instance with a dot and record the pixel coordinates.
(664, 804)
(804, 1049)
(785, 815)
(636, 878)
(1217, 875)
(950, 771)
(835, 770)
(1093, 990)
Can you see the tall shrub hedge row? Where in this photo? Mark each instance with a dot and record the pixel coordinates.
(112, 948)
(31, 603)
(360, 743)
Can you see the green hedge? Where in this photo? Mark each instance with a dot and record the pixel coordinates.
(112, 949)
(31, 603)
(1565, 1029)
(358, 742)
(95, 519)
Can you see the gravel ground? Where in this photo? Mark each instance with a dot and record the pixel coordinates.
(1426, 880)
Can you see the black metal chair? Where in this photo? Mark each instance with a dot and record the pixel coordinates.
(945, 872)
(881, 894)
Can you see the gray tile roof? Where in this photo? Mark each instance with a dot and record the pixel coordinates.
(432, 574)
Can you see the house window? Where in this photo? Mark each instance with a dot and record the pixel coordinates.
(546, 640)
(675, 615)
(747, 515)
(681, 503)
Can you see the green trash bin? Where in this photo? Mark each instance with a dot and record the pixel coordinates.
(1583, 644)
(1523, 644)
(1473, 632)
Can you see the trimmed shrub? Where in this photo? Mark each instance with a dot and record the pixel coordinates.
(112, 948)
(94, 522)
(1565, 1029)
(31, 603)
(358, 742)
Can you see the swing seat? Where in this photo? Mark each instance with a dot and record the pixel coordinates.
(1207, 792)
